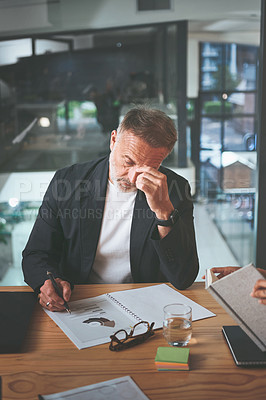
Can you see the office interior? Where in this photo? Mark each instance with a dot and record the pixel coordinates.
(70, 70)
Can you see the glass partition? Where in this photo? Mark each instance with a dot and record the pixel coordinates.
(228, 116)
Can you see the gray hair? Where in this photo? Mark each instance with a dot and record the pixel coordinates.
(153, 126)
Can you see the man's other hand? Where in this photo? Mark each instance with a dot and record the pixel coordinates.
(49, 299)
(154, 184)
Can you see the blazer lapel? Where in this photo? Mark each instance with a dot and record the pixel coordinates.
(142, 222)
(92, 202)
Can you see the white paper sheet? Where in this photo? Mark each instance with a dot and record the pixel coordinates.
(115, 389)
(91, 321)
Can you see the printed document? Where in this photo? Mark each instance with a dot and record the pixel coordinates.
(120, 388)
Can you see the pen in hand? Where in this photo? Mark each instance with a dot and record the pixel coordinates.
(58, 291)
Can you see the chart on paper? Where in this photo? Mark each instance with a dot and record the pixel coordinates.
(92, 322)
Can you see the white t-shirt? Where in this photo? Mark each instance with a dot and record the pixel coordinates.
(112, 260)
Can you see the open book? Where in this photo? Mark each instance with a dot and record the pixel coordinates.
(233, 293)
(93, 320)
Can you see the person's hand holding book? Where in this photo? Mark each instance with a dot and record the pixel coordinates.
(259, 289)
(222, 271)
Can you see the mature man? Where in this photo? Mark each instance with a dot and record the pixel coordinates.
(122, 218)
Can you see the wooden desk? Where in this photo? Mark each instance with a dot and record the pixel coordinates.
(51, 363)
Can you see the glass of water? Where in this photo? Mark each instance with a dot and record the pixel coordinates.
(177, 324)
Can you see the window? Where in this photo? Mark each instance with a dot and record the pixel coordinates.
(228, 96)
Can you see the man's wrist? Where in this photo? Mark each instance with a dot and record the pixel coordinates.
(173, 217)
(164, 215)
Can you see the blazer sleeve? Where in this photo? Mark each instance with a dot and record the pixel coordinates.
(44, 247)
(177, 251)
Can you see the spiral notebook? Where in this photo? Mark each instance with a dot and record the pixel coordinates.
(94, 319)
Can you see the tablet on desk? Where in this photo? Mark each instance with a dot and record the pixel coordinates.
(243, 349)
(15, 313)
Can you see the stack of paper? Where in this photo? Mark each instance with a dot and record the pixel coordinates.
(172, 359)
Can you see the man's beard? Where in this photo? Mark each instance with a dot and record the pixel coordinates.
(122, 184)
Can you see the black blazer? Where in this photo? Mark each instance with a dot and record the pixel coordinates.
(65, 235)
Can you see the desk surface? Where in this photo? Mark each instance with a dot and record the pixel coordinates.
(50, 362)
